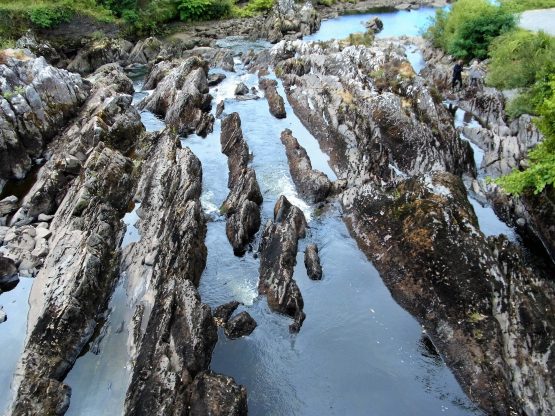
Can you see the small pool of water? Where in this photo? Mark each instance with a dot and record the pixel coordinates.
(395, 23)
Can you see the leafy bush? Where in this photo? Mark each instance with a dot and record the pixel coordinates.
(518, 57)
(191, 10)
(521, 5)
(467, 30)
(541, 172)
(47, 17)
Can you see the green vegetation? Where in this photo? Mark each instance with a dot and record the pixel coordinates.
(518, 57)
(522, 5)
(541, 172)
(141, 17)
(467, 30)
(366, 38)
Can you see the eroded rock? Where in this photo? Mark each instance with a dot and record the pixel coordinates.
(240, 325)
(181, 97)
(242, 205)
(275, 101)
(223, 312)
(217, 395)
(278, 256)
(311, 184)
(312, 262)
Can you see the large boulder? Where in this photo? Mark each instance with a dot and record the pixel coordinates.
(312, 262)
(242, 205)
(36, 101)
(278, 257)
(311, 184)
(217, 395)
(145, 51)
(8, 274)
(240, 325)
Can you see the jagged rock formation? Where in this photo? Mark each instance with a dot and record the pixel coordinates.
(181, 97)
(98, 53)
(36, 100)
(312, 262)
(223, 312)
(406, 205)
(275, 101)
(288, 20)
(278, 256)
(165, 265)
(242, 205)
(66, 302)
(505, 146)
(371, 126)
(145, 51)
(311, 184)
(218, 395)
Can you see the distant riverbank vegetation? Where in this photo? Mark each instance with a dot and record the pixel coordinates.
(517, 59)
(137, 17)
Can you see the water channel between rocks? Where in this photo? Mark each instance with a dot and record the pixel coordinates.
(358, 352)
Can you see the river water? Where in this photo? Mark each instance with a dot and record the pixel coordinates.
(358, 352)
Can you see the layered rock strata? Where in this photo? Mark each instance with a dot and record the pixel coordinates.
(312, 184)
(406, 205)
(278, 257)
(242, 205)
(275, 101)
(181, 96)
(36, 101)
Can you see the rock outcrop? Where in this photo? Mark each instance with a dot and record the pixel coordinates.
(181, 97)
(8, 274)
(36, 101)
(174, 332)
(311, 184)
(406, 205)
(275, 101)
(100, 52)
(217, 395)
(223, 312)
(278, 257)
(67, 301)
(242, 205)
(290, 21)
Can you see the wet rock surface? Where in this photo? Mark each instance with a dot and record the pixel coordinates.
(181, 96)
(36, 100)
(218, 395)
(275, 101)
(223, 312)
(8, 274)
(66, 302)
(239, 326)
(242, 205)
(406, 205)
(312, 262)
(278, 257)
(311, 184)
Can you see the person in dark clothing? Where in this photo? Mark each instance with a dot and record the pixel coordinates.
(457, 75)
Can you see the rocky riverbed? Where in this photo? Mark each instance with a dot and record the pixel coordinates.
(234, 197)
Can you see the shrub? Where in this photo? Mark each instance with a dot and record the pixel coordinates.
(47, 17)
(541, 171)
(467, 30)
(521, 5)
(191, 10)
(518, 57)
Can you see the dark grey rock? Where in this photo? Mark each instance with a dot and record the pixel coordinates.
(8, 274)
(240, 325)
(241, 89)
(312, 262)
(223, 312)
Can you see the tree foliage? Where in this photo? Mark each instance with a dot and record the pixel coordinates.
(518, 58)
(467, 30)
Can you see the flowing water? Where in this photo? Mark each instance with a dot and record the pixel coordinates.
(358, 352)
